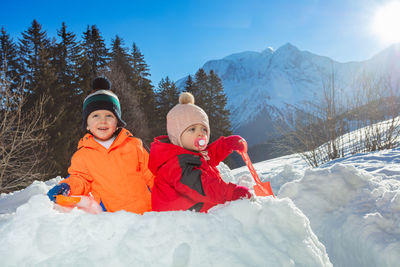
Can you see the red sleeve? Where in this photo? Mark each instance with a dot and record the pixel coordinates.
(216, 189)
(218, 151)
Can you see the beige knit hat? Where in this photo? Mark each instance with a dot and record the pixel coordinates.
(183, 115)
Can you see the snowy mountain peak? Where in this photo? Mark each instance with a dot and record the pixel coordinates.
(273, 78)
(287, 50)
(288, 47)
(268, 51)
(242, 55)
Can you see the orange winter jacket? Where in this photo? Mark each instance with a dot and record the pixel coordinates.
(118, 177)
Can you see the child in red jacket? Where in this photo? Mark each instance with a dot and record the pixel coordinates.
(185, 165)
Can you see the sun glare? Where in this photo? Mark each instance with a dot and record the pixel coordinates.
(386, 23)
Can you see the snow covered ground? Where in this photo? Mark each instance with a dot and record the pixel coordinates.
(353, 203)
(346, 213)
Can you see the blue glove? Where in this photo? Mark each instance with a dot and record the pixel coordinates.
(60, 189)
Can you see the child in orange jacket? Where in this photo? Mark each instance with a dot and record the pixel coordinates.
(110, 163)
(185, 165)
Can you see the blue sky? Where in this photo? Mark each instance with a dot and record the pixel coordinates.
(178, 37)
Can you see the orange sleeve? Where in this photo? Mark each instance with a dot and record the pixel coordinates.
(79, 179)
(147, 174)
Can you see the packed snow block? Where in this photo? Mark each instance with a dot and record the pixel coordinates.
(354, 213)
(263, 232)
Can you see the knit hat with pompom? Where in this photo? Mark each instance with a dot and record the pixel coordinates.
(101, 98)
(183, 115)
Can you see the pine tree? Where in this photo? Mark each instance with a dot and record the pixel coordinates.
(218, 114)
(94, 58)
(67, 99)
(209, 95)
(98, 53)
(37, 65)
(34, 51)
(143, 87)
(201, 89)
(166, 98)
(140, 68)
(189, 85)
(38, 70)
(85, 75)
(9, 60)
(67, 57)
(120, 56)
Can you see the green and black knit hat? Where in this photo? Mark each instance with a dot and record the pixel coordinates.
(102, 99)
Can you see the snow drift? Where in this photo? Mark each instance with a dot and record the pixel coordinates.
(261, 232)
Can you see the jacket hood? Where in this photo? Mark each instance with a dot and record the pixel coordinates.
(162, 150)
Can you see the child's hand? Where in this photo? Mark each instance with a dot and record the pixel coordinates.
(236, 142)
(60, 189)
(241, 192)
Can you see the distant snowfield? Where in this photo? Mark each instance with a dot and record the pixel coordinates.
(346, 213)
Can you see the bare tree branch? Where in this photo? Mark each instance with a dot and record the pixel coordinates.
(22, 139)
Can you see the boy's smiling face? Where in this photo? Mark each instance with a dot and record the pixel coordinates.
(102, 124)
(189, 136)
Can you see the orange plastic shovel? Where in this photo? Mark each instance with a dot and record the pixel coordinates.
(86, 203)
(261, 188)
(67, 201)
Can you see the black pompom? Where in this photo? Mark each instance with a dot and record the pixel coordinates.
(101, 83)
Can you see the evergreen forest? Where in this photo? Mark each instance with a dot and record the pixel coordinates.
(44, 79)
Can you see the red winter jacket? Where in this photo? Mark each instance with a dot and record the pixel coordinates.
(186, 180)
